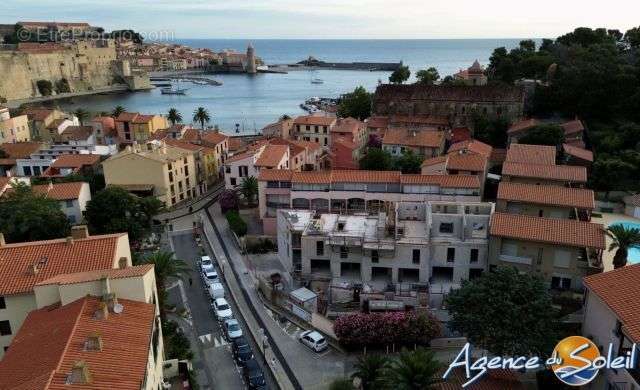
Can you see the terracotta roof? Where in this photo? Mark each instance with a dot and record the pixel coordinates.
(21, 149)
(141, 118)
(347, 125)
(37, 114)
(311, 177)
(319, 120)
(213, 137)
(236, 143)
(7, 161)
(446, 181)
(76, 133)
(344, 142)
(75, 160)
(548, 230)
(549, 172)
(466, 162)
(425, 138)
(377, 122)
(59, 191)
(190, 135)
(474, 146)
(311, 146)
(272, 155)
(498, 155)
(183, 145)
(574, 151)
(573, 127)
(350, 176)
(52, 339)
(460, 134)
(434, 160)
(619, 289)
(106, 121)
(531, 154)
(241, 156)
(275, 175)
(547, 195)
(54, 257)
(90, 276)
(522, 125)
(127, 116)
(632, 200)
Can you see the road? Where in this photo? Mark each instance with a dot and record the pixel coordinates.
(217, 361)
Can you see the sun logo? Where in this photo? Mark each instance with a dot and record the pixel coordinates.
(574, 357)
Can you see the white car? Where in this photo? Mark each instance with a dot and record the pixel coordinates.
(206, 263)
(314, 340)
(222, 309)
(232, 329)
(210, 276)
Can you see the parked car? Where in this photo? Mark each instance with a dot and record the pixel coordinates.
(206, 263)
(232, 328)
(241, 350)
(210, 276)
(216, 290)
(253, 376)
(222, 309)
(314, 340)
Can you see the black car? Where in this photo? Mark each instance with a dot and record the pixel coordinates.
(241, 350)
(253, 376)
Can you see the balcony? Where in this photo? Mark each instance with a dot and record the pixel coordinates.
(515, 259)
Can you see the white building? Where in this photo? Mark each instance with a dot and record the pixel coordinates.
(72, 197)
(440, 243)
(268, 156)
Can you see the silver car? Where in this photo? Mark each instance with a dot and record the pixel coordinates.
(232, 329)
(314, 340)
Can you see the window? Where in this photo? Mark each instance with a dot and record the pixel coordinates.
(232, 181)
(446, 227)
(562, 258)
(344, 252)
(375, 256)
(560, 283)
(170, 176)
(618, 330)
(3, 304)
(319, 248)
(68, 203)
(473, 258)
(416, 256)
(227, 169)
(5, 328)
(451, 255)
(27, 171)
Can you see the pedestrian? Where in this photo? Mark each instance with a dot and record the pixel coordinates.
(190, 281)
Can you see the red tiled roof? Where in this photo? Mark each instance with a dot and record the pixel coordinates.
(446, 181)
(548, 230)
(213, 137)
(434, 160)
(531, 154)
(241, 156)
(183, 145)
(127, 116)
(236, 143)
(466, 162)
(190, 135)
(272, 155)
(52, 339)
(574, 151)
(8, 161)
(522, 125)
(573, 127)
(547, 195)
(619, 289)
(76, 133)
(425, 138)
(142, 118)
(350, 176)
(21, 149)
(311, 177)
(549, 172)
(311, 146)
(59, 191)
(54, 257)
(498, 155)
(275, 175)
(318, 120)
(37, 114)
(474, 146)
(460, 134)
(108, 123)
(347, 125)
(377, 122)
(75, 160)
(90, 276)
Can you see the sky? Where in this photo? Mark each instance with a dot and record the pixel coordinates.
(293, 19)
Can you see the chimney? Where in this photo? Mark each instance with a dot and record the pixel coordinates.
(103, 311)
(34, 268)
(93, 342)
(110, 299)
(79, 232)
(69, 240)
(2, 241)
(122, 262)
(80, 374)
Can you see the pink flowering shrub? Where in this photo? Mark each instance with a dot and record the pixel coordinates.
(377, 329)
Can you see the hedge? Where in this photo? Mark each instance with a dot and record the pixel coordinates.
(236, 223)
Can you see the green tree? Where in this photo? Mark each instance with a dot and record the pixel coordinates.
(82, 115)
(400, 75)
(117, 111)
(114, 210)
(29, 216)
(412, 370)
(428, 76)
(543, 135)
(369, 369)
(174, 116)
(376, 160)
(249, 188)
(166, 267)
(484, 310)
(356, 104)
(492, 131)
(201, 115)
(341, 384)
(44, 87)
(409, 162)
(622, 239)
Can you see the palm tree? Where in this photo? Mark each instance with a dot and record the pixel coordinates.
(201, 115)
(249, 188)
(412, 370)
(165, 267)
(174, 116)
(622, 238)
(82, 115)
(369, 369)
(117, 111)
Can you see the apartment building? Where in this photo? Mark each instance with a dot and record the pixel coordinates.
(25, 265)
(276, 153)
(561, 251)
(440, 243)
(154, 169)
(73, 164)
(13, 129)
(205, 161)
(133, 126)
(426, 143)
(104, 129)
(313, 128)
(612, 317)
(349, 191)
(72, 198)
(41, 118)
(13, 152)
(219, 143)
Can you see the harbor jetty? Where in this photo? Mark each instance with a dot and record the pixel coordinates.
(313, 63)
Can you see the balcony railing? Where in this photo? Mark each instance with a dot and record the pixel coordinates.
(516, 259)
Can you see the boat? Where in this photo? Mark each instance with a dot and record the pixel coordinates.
(171, 91)
(317, 81)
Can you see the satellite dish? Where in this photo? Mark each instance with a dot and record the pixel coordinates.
(118, 308)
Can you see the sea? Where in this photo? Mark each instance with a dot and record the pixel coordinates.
(246, 103)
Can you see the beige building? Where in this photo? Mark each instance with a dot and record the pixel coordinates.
(313, 128)
(23, 266)
(156, 169)
(14, 129)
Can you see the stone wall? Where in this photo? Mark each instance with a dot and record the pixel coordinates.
(85, 65)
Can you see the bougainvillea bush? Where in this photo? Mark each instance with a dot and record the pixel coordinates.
(380, 329)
